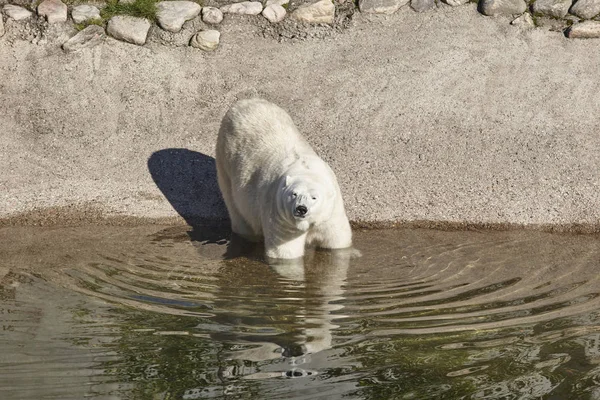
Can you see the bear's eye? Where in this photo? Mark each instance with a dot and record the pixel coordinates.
(314, 197)
(295, 194)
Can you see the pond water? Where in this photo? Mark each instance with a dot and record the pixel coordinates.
(162, 313)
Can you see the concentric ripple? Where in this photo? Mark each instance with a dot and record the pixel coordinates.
(449, 285)
(148, 311)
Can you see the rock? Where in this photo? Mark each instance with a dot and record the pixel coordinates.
(550, 23)
(586, 9)
(206, 40)
(212, 15)
(129, 29)
(584, 30)
(422, 5)
(244, 8)
(17, 13)
(1, 26)
(381, 6)
(274, 13)
(54, 11)
(552, 8)
(502, 7)
(88, 37)
(172, 14)
(278, 2)
(320, 12)
(455, 3)
(524, 21)
(84, 13)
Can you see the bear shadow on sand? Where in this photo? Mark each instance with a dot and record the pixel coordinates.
(188, 180)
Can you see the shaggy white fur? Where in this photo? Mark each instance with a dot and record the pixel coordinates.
(274, 184)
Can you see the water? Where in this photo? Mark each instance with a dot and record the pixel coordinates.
(148, 313)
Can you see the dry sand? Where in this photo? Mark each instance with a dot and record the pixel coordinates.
(446, 117)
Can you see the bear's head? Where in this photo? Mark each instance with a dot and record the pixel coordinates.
(306, 199)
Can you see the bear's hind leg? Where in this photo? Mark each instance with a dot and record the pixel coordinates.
(240, 226)
(238, 223)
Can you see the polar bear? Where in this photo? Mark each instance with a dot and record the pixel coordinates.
(274, 184)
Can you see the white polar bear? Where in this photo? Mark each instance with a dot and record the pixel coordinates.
(274, 184)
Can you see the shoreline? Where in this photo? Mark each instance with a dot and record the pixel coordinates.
(84, 216)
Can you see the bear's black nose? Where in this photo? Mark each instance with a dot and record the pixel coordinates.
(301, 211)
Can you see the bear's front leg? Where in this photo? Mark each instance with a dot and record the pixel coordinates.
(284, 246)
(333, 234)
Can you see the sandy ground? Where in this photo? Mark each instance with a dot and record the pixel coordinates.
(445, 117)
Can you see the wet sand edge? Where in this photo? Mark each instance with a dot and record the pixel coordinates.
(88, 214)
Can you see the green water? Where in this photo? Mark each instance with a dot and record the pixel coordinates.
(161, 313)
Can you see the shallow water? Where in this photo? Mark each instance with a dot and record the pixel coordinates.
(159, 313)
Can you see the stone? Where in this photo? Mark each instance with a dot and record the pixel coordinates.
(524, 21)
(206, 40)
(54, 11)
(586, 9)
(455, 3)
(129, 29)
(584, 30)
(422, 5)
(16, 12)
(90, 36)
(381, 6)
(243, 8)
(502, 7)
(550, 23)
(274, 13)
(212, 15)
(172, 14)
(2, 31)
(552, 8)
(320, 12)
(84, 13)
(278, 2)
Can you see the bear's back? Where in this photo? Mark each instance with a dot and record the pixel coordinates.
(258, 125)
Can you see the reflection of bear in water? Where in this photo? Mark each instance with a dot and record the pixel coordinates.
(274, 184)
(290, 318)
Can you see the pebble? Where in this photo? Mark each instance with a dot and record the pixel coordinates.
(524, 21)
(274, 13)
(584, 30)
(502, 7)
(422, 5)
(320, 12)
(16, 12)
(84, 12)
(90, 36)
(129, 29)
(206, 40)
(1, 26)
(212, 15)
(586, 9)
(243, 8)
(54, 11)
(381, 6)
(455, 3)
(552, 8)
(171, 15)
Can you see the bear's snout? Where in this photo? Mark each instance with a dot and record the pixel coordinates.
(300, 211)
